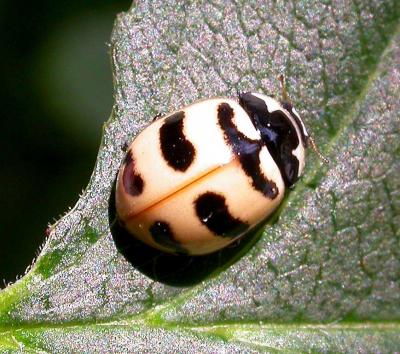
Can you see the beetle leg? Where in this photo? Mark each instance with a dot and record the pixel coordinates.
(157, 116)
(124, 147)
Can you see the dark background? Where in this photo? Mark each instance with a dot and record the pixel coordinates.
(56, 93)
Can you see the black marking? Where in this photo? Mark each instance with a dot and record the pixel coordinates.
(132, 181)
(163, 235)
(178, 152)
(277, 132)
(247, 150)
(213, 212)
(289, 107)
(157, 116)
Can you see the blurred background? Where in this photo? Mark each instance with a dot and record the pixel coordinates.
(56, 93)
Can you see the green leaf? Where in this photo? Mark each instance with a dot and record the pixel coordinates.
(324, 275)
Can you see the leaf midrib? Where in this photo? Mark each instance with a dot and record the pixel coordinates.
(216, 327)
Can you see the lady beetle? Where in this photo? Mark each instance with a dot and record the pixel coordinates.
(197, 179)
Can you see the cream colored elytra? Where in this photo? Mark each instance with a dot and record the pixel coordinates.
(168, 195)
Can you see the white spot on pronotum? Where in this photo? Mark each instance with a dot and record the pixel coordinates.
(299, 154)
(301, 121)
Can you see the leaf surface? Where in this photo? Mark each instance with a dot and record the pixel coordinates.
(325, 272)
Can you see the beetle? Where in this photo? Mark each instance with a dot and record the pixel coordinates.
(197, 179)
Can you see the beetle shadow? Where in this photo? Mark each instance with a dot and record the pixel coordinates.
(171, 269)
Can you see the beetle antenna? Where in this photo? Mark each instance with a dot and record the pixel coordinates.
(316, 150)
(285, 97)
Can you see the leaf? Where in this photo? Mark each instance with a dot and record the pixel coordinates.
(324, 277)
